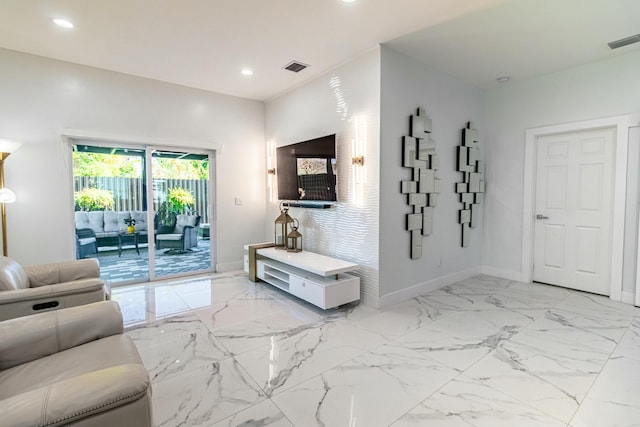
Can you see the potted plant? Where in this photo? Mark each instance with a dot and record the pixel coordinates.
(179, 201)
(131, 224)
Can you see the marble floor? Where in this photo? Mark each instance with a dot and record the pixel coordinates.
(223, 351)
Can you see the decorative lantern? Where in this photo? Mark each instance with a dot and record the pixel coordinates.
(281, 228)
(294, 238)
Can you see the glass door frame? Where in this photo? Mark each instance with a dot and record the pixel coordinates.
(211, 207)
(114, 142)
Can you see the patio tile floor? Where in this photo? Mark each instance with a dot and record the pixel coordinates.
(131, 266)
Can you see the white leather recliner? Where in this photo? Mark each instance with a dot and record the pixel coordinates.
(72, 367)
(46, 287)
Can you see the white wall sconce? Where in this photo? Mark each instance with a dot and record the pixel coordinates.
(6, 195)
(358, 152)
(357, 160)
(271, 169)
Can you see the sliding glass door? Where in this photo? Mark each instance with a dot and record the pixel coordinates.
(180, 191)
(143, 212)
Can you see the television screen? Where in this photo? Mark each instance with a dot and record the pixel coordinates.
(307, 170)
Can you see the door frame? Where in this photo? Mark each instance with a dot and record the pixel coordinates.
(69, 137)
(213, 248)
(621, 125)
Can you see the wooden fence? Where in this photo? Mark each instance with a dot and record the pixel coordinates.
(129, 193)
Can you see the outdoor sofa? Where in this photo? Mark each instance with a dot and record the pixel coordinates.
(104, 227)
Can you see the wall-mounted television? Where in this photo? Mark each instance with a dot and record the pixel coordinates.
(307, 170)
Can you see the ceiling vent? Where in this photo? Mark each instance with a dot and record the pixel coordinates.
(295, 66)
(624, 42)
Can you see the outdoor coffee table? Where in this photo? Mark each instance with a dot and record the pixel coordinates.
(126, 237)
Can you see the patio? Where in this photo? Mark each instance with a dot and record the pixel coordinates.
(131, 266)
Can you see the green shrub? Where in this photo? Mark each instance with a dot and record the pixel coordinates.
(179, 201)
(93, 199)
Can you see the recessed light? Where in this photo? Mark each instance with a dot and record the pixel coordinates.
(63, 23)
(246, 72)
(348, 1)
(503, 79)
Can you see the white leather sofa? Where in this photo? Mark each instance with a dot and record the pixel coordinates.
(46, 287)
(72, 367)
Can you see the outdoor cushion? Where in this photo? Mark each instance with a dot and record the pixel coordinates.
(183, 220)
(114, 221)
(93, 220)
(110, 221)
(82, 219)
(169, 237)
(141, 220)
(86, 241)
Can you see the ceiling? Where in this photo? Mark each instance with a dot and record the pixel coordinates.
(524, 38)
(205, 44)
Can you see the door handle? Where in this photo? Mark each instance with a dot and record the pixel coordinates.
(539, 216)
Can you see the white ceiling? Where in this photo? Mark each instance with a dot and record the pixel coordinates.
(525, 38)
(205, 43)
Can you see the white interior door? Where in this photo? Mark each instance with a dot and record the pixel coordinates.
(574, 183)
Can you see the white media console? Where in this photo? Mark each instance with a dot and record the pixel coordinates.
(321, 280)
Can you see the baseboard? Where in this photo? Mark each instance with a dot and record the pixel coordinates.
(229, 266)
(625, 297)
(369, 300)
(503, 274)
(423, 288)
(628, 297)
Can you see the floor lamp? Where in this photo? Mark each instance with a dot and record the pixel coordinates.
(6, 195)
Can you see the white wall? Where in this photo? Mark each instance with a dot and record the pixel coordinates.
(407, 85)
(632, 215)
(327, 105)
(41, 97)
(597, 90)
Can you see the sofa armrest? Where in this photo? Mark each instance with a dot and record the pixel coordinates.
(59, 272)
(69, 401)
(53, 291)
(83, 233)
(32, 337)
(189, 229)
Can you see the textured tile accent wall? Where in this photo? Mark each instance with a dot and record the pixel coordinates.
(344, 101)
(349, 229)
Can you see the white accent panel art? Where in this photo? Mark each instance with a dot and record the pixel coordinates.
(419, 154)
(472, 186)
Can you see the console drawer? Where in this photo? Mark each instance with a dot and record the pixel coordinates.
(306, 290)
